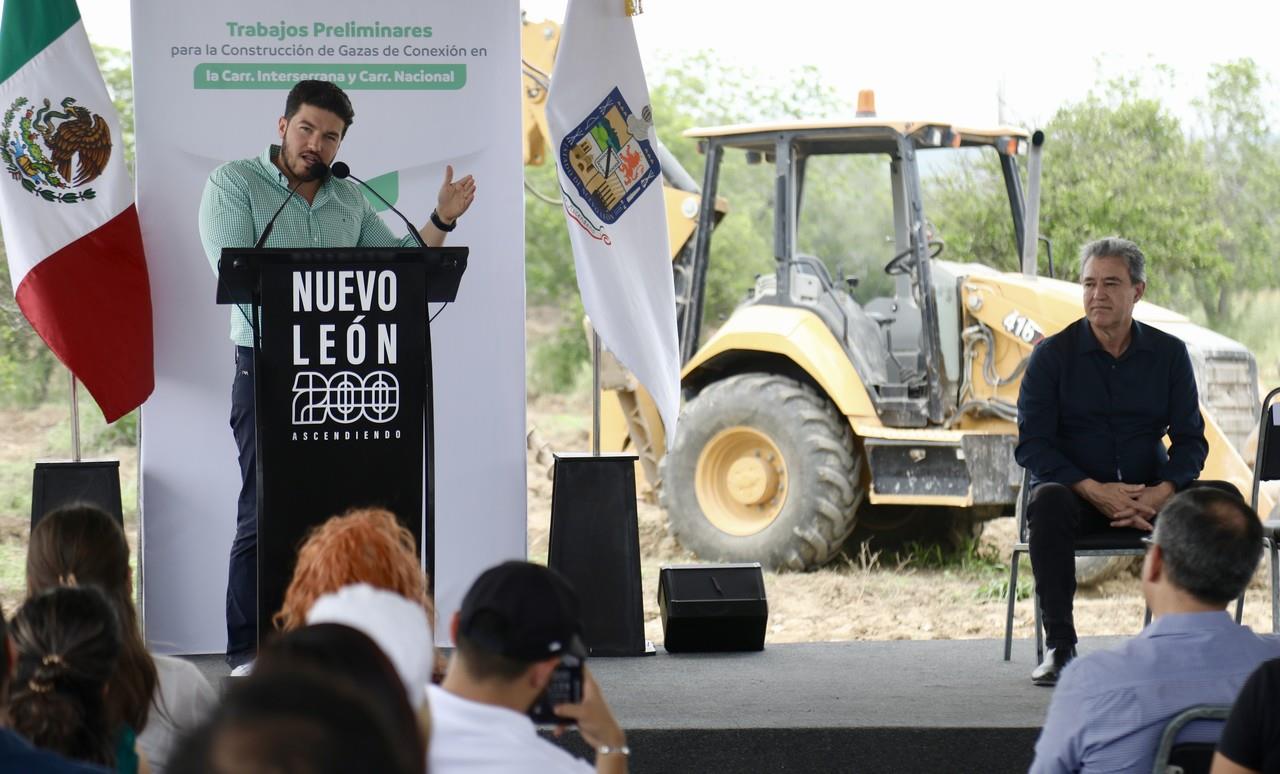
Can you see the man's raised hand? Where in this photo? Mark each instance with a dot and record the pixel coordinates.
(455, 196)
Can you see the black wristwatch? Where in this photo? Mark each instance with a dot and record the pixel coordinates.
(440, 224)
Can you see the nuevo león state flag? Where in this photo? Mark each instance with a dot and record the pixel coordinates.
(611, 185)
(66, 206)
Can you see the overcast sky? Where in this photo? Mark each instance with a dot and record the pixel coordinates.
(934, 59)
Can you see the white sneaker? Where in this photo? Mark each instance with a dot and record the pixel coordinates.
(244, 670)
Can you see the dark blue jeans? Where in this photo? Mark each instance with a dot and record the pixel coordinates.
(242, 574)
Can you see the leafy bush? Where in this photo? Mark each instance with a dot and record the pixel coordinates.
(26, 364)
(557, 363)
(104, 437)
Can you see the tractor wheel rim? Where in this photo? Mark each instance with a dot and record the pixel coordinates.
(741, 480)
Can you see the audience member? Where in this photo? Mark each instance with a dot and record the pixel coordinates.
(157, 696)
(16, 753)
(1250, 742)
(364, 545)
(68, 643)
(398, 626)
(516, 622)
(341, 652)
(291, 722)
(1110, 707)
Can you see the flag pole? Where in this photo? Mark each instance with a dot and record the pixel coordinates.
(75, 420)
(595, 393)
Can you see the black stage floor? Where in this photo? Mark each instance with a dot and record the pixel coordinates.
(823, 706)
(901, 706)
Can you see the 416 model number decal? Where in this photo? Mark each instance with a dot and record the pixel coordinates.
(1022, 326)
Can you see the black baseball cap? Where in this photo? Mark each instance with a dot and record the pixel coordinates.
(522, 611)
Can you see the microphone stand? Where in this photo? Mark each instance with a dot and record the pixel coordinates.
(340, 170)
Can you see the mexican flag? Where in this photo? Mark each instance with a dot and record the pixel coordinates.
(70, 228)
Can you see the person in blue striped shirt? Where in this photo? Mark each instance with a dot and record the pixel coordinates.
(1110, 707)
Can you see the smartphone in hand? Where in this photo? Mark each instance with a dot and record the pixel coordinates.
(565, 687)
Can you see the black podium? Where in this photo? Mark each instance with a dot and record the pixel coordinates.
(342, 389)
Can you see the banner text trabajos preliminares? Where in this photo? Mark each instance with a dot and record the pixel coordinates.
(349, 29)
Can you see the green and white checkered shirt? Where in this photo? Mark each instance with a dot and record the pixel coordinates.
(241, 196)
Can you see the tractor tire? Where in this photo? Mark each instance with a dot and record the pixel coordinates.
(762, 469)
(1092, 570)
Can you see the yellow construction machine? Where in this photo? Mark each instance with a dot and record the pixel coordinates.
(808, 412)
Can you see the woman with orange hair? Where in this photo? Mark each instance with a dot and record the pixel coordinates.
(363, 545)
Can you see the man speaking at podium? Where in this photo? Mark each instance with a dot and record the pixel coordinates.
(286, 197)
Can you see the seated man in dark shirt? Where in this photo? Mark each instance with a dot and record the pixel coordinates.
(1096, 402)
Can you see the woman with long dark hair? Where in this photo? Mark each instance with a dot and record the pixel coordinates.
(68, 643)
(155, 697)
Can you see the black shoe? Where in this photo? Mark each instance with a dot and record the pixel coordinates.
(1055, 659)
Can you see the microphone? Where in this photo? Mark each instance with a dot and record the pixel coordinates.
(342, 171)
(316, 171)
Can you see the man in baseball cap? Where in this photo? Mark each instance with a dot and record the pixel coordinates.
(517, 622)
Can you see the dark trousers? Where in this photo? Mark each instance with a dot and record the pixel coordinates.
(242, 574)
(1056, 516)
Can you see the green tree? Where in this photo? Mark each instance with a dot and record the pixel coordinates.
(1116, 162)
(117, 70)
(1244, 162)
(26, 364)
(969, 208)
(549, 273)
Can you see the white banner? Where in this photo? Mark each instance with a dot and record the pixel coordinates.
(432, 83)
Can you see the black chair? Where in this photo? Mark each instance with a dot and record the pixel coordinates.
(1173, 757)
(1266, 467)
(1118, 543)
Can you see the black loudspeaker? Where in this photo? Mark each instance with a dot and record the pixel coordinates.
(595, 545)
(56, 484)
(712, 607)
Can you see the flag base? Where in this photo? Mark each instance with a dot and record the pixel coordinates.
(595, 545)
(59, 483)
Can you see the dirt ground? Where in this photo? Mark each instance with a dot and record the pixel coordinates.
(862, 595)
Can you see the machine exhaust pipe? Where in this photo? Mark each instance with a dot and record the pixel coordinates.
(673, 171)
(1031, 241)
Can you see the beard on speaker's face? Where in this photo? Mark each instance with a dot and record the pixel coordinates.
(301, 167)
(309, 141)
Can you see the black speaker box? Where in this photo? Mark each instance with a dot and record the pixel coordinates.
(56, 484)
(595, 545)
(712, 607)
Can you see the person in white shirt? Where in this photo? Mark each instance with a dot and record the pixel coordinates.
(399, 627)
(516, 623)
(183, 699)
